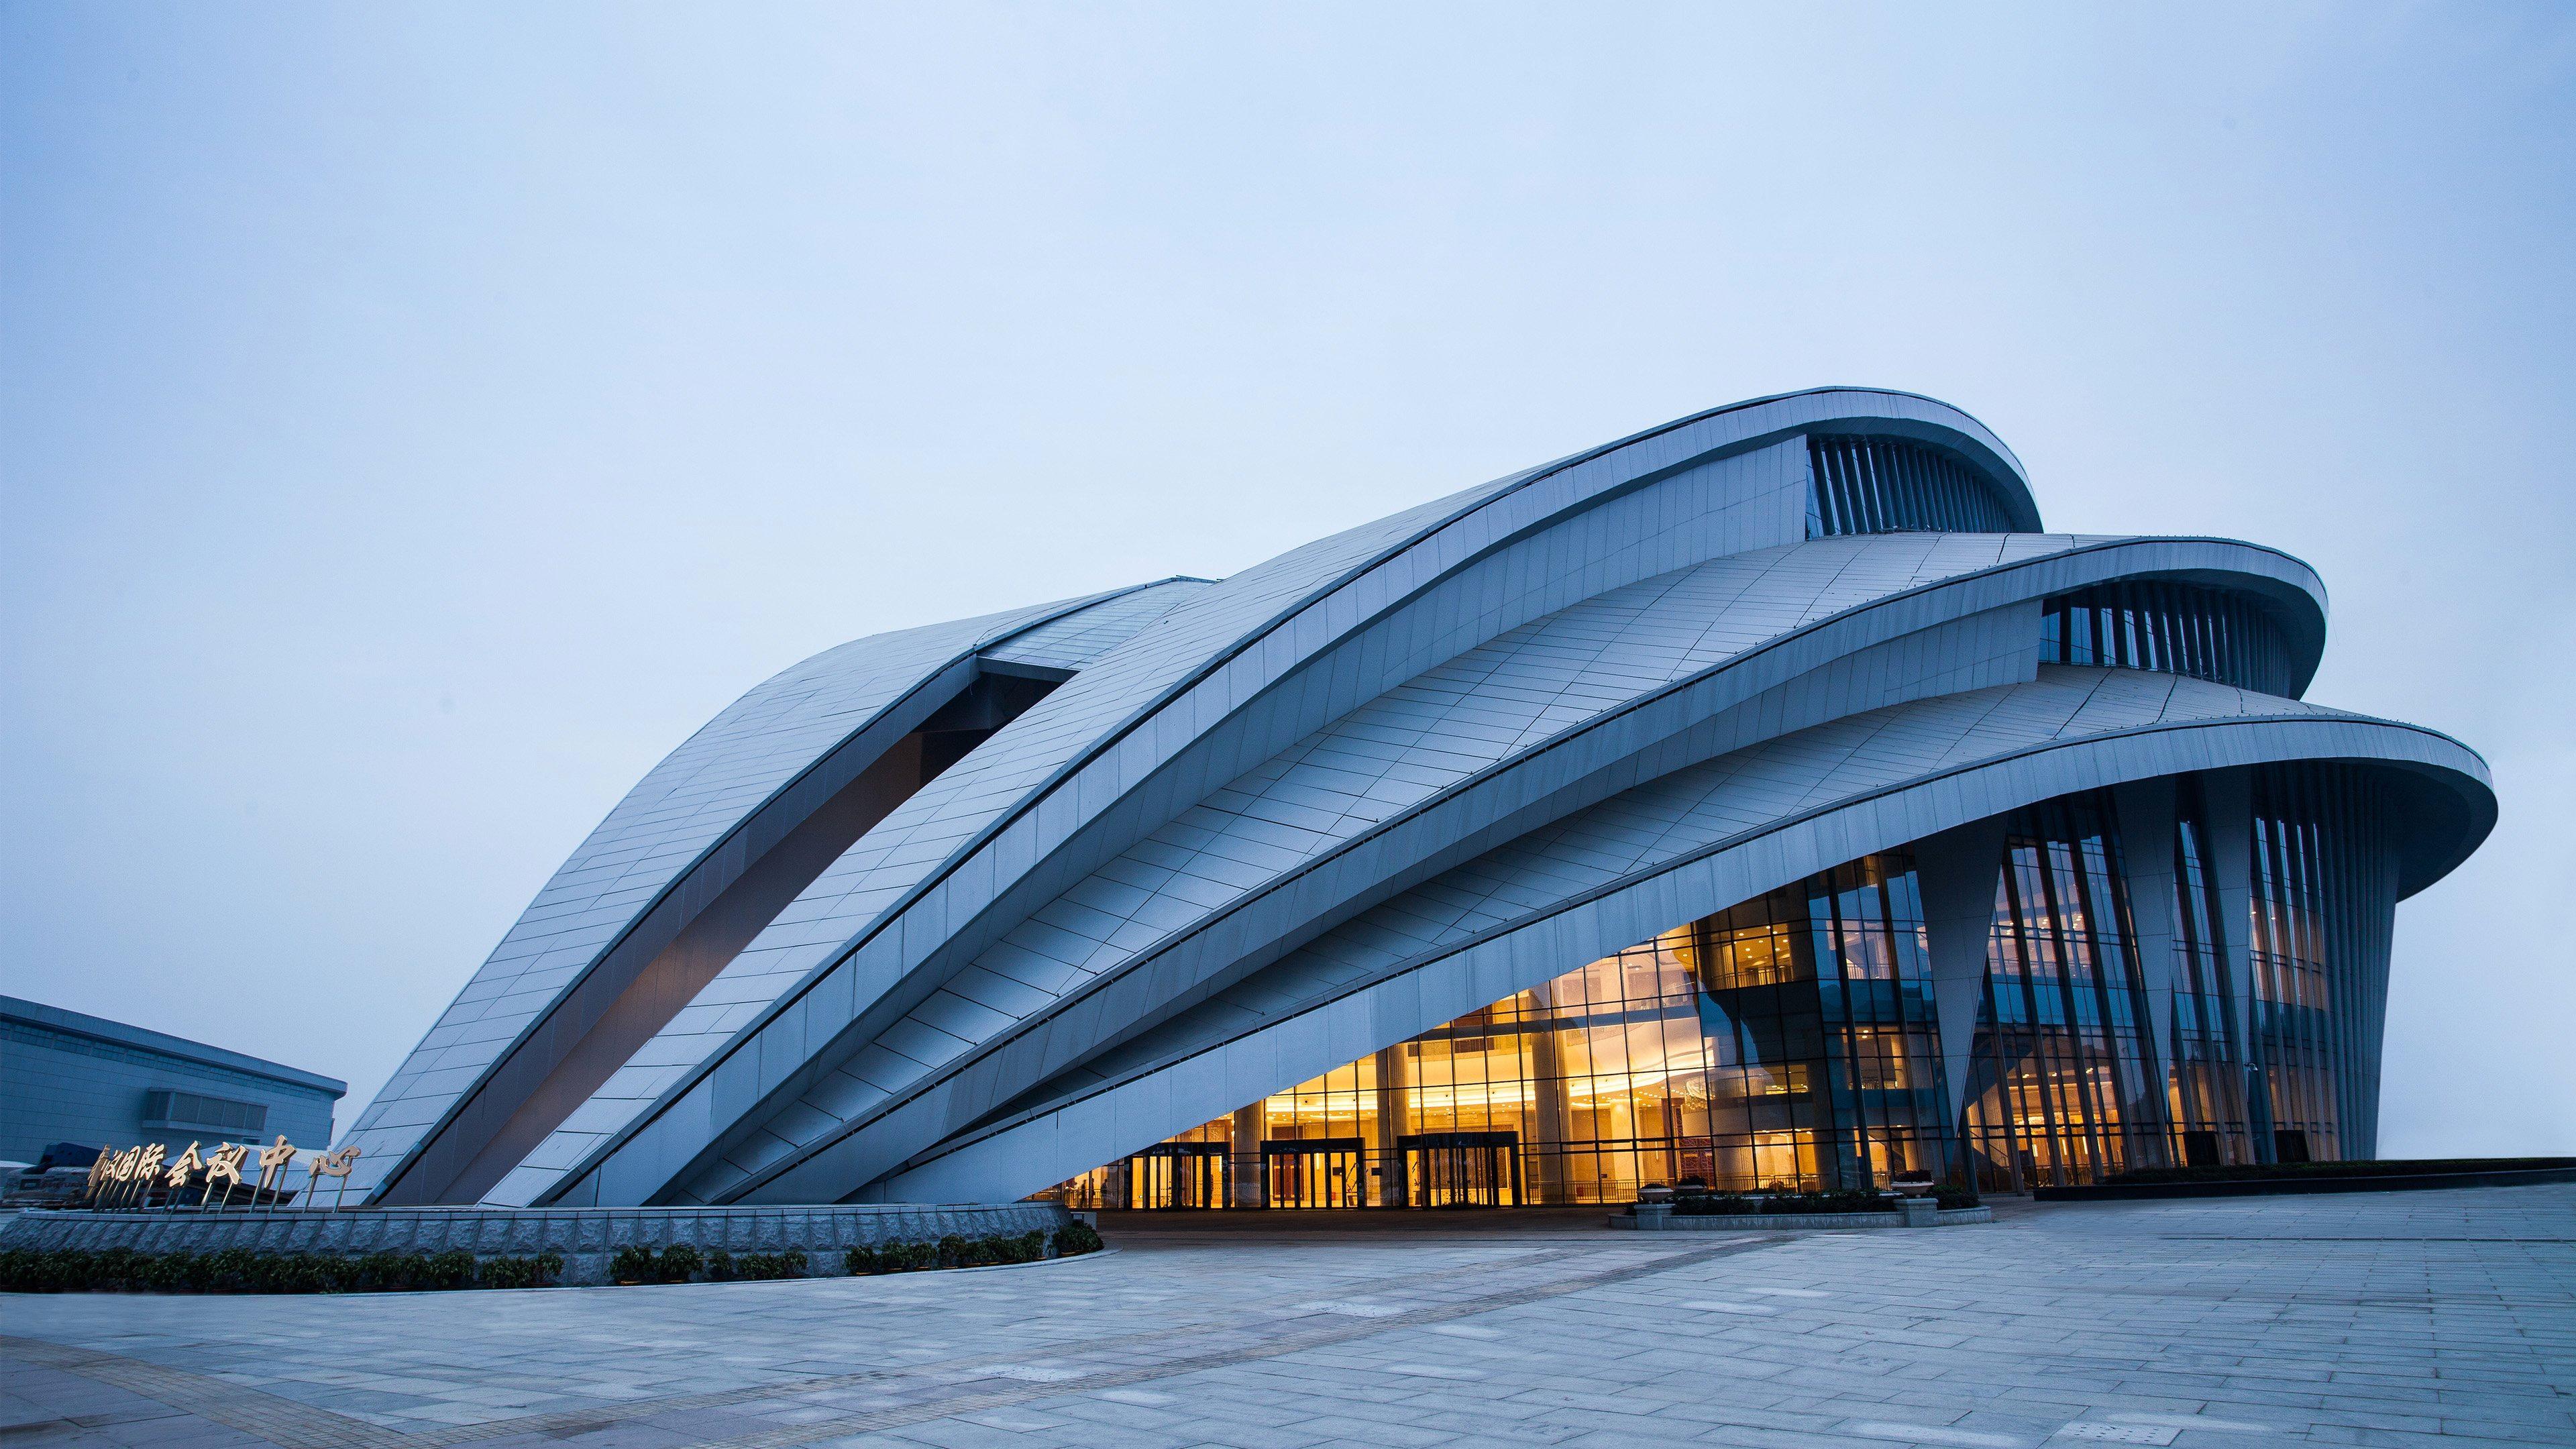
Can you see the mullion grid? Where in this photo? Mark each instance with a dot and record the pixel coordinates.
(1872, 936)
(2176, 629)
(2083, 1079)
(1891, 485)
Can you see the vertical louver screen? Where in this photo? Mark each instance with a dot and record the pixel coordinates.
(2171, 628)
(1887, 485)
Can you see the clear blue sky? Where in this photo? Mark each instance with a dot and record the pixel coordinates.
(416, 420)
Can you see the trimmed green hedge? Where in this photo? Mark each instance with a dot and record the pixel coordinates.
(681, 1263)
(893, 1258)
(953, 1252)
(240, 1270)
(1782, 1204)
(2257, 1172)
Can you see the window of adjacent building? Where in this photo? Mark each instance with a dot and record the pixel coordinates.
(171, 1108)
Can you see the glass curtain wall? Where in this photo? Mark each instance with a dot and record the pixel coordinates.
(1791, 1040)
(2324, 897)
(2207, 1096)
(1787, 1041)
(2063, 1086)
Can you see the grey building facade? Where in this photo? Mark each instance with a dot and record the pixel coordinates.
(1765, 797)
(91, 1082)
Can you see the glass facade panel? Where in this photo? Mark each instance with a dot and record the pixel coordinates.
(2063, 1085)
(1889, 485)
(1788, 1041)
(2170, 628)
(2323, 895)
(2207, 1093)
(1791, 1040)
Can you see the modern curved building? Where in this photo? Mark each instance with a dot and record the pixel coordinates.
(1762, 798)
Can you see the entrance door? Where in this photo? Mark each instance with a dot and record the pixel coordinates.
(1462, 1169)
(1177, 1175)
(1314, 1172)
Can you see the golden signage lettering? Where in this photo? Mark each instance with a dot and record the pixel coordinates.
(129, 1177)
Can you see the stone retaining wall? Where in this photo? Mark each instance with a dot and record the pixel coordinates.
(586, 1237)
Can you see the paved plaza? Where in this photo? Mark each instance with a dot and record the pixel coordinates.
(2374, 1319)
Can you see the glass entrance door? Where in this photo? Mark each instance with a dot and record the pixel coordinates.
(1314, 1172)
(1177, 1175)
(1462, 1169)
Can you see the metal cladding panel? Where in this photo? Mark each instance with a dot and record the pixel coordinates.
(1076, 640)
(1570, 896)
(683, 809)
(1524, 690)
(1245, 799)
(1741, 793)
(1461, 545)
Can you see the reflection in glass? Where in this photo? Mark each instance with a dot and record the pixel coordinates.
(1790, 1041)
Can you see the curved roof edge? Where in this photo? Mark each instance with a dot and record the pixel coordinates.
(1967, 436)
(394, 1173)
(1895, 813)
(2289, 578)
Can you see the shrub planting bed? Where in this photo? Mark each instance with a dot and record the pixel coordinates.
(1786, 1204)
(955, 1252)
(2294, 1171)
(684, 1264)
(2254, 1180)
(239, 1270)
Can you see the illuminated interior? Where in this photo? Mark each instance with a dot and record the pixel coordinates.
(1715, 1053)
(1790, 1042)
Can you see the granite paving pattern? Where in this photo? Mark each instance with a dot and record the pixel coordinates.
(2369, 1319)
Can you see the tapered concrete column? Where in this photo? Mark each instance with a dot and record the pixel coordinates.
(1547, 1101)
(1391, 1102)
(2227, 798)
(1957, 870)
(2146, 810)
(1251, 1124)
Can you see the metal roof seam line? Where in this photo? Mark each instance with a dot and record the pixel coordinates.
(1488, 496)
(1188, 834)
(1524, 758)
(680, 878)
(1602, 891)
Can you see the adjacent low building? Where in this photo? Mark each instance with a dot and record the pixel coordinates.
(1766, 798)
(85, 1081)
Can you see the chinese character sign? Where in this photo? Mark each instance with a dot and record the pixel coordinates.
(146, 1175)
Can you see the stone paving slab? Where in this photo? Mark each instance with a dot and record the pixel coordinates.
(2395, 1319)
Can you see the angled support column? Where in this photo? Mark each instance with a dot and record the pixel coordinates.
(1547, 1119)
(1391, 1102)
(1957, 870)
(2146, 809)
(2227, 800)
(1251, 1124)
